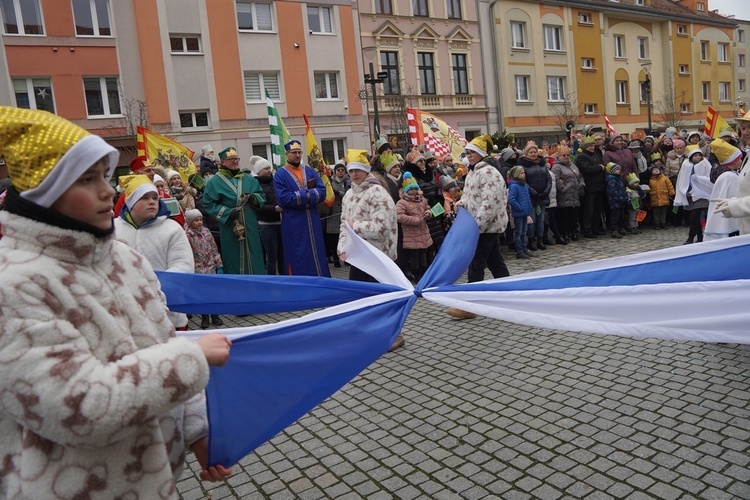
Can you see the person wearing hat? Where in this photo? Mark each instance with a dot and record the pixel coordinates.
(379, 147)
(422, 168)
(693, 191)
(208, 161)
(539, 181)
(206, 255)
(570, 184)
(485, 197)
(412, 214)
(617, 200)
(233, 198)
(661, 192)
(617, 151)
(94, 379)
(521, 207)
(340, 183)
(725, 187)
(592, 203)
(269, 216)
(299, 190)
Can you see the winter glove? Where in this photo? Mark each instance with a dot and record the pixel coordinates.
(233, 215)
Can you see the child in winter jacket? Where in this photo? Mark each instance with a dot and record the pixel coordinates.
(100, 398)
(617, 198)
(660, 190)
(412, 213)
(635, 195)
(520, 209)
(205, 253)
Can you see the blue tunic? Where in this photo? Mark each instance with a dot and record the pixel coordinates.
(301, 231)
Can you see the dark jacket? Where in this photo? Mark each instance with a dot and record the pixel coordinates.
(617, 197)
(590, 166)
(538, 180)
(208, 165)
(267, 213)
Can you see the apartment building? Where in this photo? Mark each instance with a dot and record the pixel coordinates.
(632, 60)
(742, 52)
(195, 70)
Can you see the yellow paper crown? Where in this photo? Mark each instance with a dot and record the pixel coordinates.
(725, 152)
(129, 183)
(357, 156)
(33, 142)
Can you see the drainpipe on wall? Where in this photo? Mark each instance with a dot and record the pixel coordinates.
(494, 67)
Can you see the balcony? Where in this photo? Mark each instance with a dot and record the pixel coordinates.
(392, 103)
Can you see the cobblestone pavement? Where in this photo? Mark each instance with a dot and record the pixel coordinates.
(486, 409)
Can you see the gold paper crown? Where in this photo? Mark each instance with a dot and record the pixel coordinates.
(357, 156)
(229, 152)
(129, 183)
(293, 146)
(33, 142)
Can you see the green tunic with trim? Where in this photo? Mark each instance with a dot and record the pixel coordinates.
(224, 192)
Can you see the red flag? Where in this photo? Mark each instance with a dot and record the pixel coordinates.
(430, 130)
(610, 128)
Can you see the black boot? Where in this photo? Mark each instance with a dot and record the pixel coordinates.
(532, 244)
(540, 245)
(204, 322)
(216, 320)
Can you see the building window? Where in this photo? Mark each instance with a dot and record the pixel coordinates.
(420, 8)
(700, 6)
(723, 52)
(685, 107)
(262, 150)
(587, 63)
(619, 43)
(555, 89)
(622, 92)
(552, 38)
(319, 19)
(389, 64)
(460, 74)
(426, 66)
(326, 86)
(740, 35)
(684, 69)
(706, 91)
(383, 7)
(723, 91)
(645, 88)
(102, 96)
(257, 84)
(518, 35)
(741, 60)
(741, 85)
(91, 18)
(185, 44)
(522, 88)
(22, 17)
(585, 18)
(194, 119)
(642, 47)
(682, 30)
(704, 51)
(34, 93)
(252, 16)
(333, 150)
(638, 2)
(454, 9)
(589, 109)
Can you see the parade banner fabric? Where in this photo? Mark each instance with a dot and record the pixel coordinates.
(279, 134)
(315, 160)
(610, 128)
(715, 124)
(166, 152)
(438, 136)
(276, 373)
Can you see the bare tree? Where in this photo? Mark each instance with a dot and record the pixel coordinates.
(668, 108)
(392, 115)
(566, 111)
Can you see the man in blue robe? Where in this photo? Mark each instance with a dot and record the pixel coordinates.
(299, 190)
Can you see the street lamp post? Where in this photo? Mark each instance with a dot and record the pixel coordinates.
(372, 78)
(647, 68)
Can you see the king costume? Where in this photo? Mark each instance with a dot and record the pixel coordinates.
(298, 193)
(234, 191)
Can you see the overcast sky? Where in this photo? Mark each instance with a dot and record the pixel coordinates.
(740, 8)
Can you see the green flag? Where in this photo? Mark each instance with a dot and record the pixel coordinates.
(279, 134)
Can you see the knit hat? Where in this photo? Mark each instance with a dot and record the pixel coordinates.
(389, 160)
(191, 215)
(207, 150)
(635, 144)
(339, 165)
(447, 182)
(381, 145)
(515, 172)
(670, 132)
(46, 154)
(429, 156)
(725, 152)
(692, 150)
(649, 138)
(506, 153)
(632, 179)
(530, 145)
(158, 178)
(140, 163)
(356, 159)
(135, 187)
(408, 182)
(171, 173)
(612, 168)
(677, 141)
(257, 164)
(587, 141)
(229, 152)
(691, 134)
(414, 156)
(482, 145)
(726, 133)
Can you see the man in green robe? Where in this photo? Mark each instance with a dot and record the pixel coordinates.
(232, 198)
